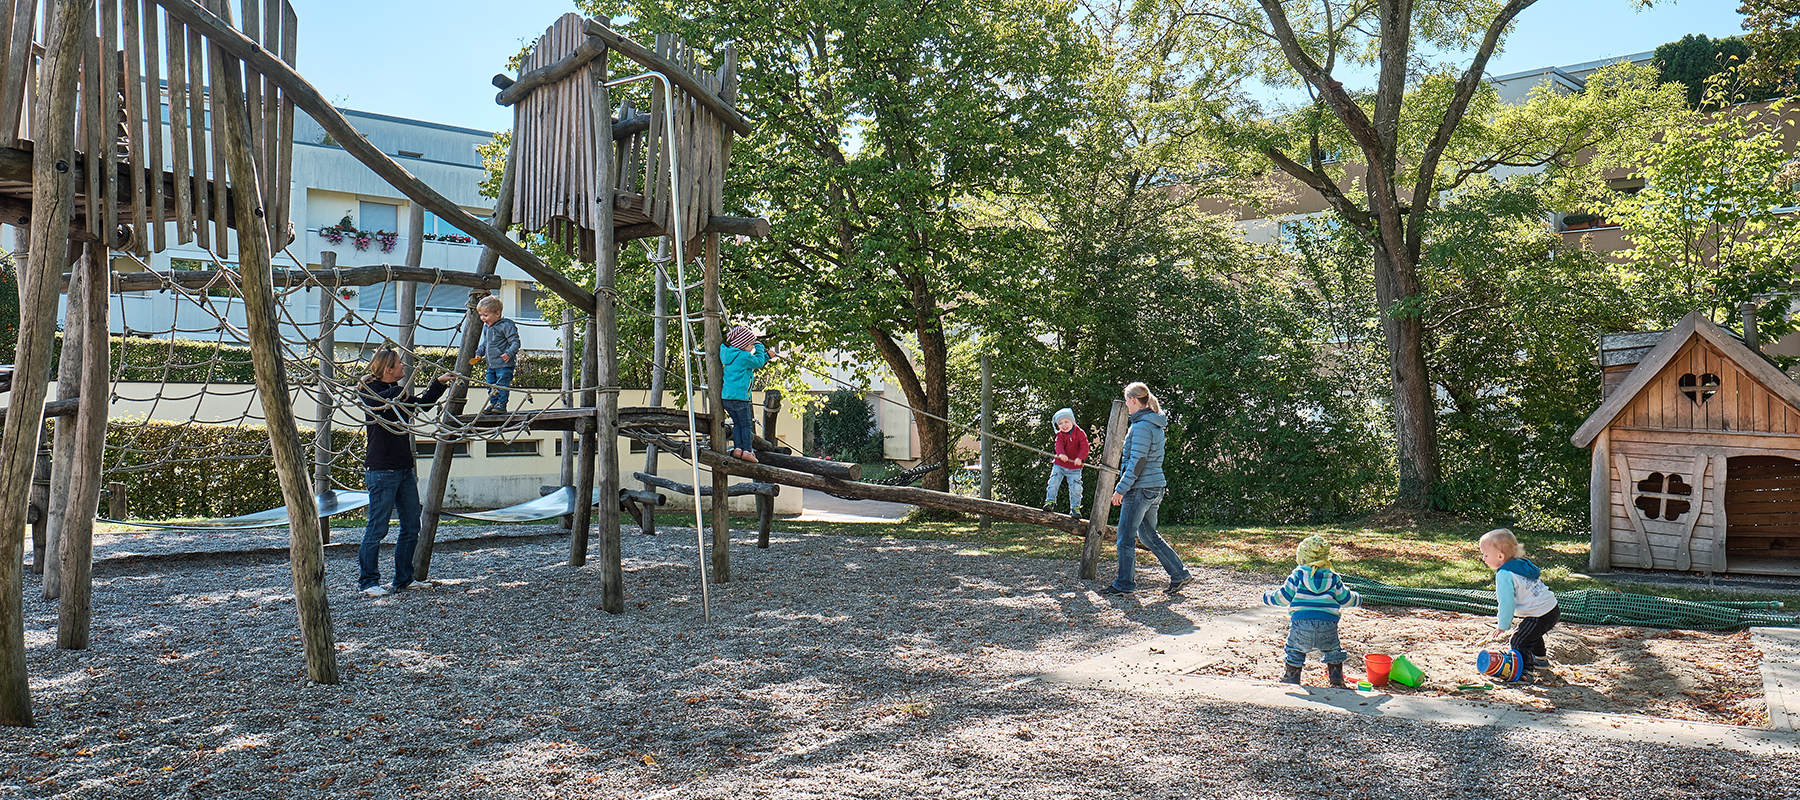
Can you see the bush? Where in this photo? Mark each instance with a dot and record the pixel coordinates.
(182, 470)
(9, 307)
(845, 428)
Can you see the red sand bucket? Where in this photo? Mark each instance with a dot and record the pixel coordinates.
(1376, 666)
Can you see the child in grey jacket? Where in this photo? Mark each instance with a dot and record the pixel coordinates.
(499, 349)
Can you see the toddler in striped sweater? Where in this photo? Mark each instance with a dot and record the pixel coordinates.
(1317, 596)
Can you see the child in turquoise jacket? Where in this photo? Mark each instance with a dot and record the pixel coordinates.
(741, 355)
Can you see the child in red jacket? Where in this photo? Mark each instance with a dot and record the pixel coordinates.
(1071, 455)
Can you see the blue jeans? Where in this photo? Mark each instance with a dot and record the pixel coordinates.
(743, 427)
(1059, 474)
(1137, 520)
(1307, 635)
(390, 490)
(501, 377)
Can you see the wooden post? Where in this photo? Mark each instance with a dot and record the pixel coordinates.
(987, 439)
(327, 408)
(715, 405)
(433, 497)
(568, 400)
(771, 415)
(117, 501)
(606, 355)
(68, 27)
(75, 613)
(407, 299)
(659, 372)
(62, 460)
(765, 516)
(40, 502)
(305, 550)
(1600, 505)
(584, 462)
(1109, 477)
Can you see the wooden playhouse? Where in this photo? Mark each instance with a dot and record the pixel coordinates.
(1696, 456)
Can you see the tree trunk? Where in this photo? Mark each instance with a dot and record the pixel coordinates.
(76, 550)
(1414, 403)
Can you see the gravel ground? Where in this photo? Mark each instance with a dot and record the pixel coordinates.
(834, 667)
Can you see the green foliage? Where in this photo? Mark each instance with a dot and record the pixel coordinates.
(1695, 59)
(1707, 231)
(1512, 326)
(9, 305)
(845, 428)
(1773, 32)
(178, 471)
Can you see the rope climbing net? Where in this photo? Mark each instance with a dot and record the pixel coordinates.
(179, 370)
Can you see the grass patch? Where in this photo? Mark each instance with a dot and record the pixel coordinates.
(1440, 553)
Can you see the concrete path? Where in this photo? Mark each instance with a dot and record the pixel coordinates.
(1166, 666)
(821, 507)
(1781, 674)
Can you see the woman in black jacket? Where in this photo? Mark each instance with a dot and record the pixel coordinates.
(389, 474)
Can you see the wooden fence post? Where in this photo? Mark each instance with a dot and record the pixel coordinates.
(1103, 489)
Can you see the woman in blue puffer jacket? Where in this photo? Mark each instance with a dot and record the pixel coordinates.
(1140, 490)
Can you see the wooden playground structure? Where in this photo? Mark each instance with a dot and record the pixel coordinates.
(82, 162)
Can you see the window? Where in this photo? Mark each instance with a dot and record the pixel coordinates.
(437, 230)
(528, 304)
(386, 297)
(377, 216)
(520, 447)
(428, 449)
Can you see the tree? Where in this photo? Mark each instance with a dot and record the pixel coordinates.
(1694, 59)
(1408, 137)
(1709, 231)
(880, 128)
(1774, 36)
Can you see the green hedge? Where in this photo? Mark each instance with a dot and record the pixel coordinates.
(201, 477)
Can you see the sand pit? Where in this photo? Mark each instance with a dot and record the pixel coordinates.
(1690, 675)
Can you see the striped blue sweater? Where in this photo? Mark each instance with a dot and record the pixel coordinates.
(1313, 593)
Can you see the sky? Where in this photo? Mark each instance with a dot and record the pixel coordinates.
(433, 60)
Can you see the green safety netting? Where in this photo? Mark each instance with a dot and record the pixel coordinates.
(1595, 607)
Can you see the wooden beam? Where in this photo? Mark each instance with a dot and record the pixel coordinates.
(590, 48)
(910, 495)
(54, 408)
(735, 490)
(1110, 455)
(308, 99)
(753, 227)
(637, 52)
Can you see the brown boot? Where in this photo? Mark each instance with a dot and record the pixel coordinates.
(1335, 673)
(1292, 675)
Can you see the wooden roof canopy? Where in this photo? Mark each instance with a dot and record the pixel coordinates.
(565, 134)
(1693, 325)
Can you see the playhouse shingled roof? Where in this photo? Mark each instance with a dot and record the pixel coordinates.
(1694, 324)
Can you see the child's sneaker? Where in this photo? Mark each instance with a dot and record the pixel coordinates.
(376, 591)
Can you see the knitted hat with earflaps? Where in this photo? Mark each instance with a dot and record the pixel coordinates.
(741, 338)
(1313, 552)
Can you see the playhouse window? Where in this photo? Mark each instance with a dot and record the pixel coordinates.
(1700, 388)
(1664, 496)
